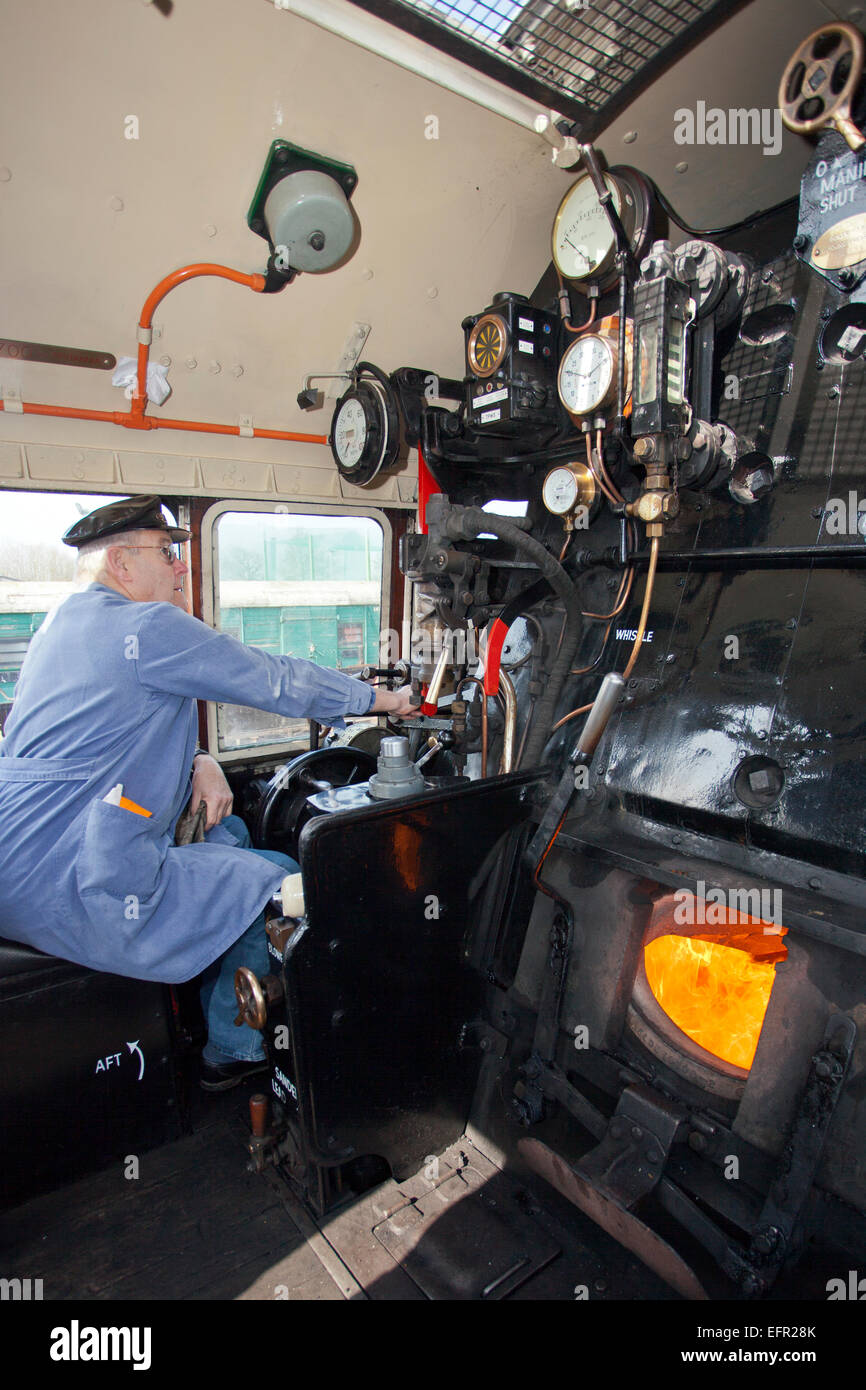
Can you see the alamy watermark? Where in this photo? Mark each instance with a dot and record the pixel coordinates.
(737, 126)
(713, 907)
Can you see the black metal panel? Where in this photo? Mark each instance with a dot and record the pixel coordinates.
(379, 988)
(792, 694)
(587, 61)
(76, 1095)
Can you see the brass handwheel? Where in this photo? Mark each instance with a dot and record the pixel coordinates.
(253, 1009)
(820, 80)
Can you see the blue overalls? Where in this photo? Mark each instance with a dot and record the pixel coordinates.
(106, 695)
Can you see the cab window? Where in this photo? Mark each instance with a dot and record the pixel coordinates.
(295, 584)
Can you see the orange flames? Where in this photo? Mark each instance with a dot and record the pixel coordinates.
(716, 991)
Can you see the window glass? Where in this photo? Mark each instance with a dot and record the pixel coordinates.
(296, 585)
(36, 571)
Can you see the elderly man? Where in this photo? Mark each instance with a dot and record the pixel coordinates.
(95, 770)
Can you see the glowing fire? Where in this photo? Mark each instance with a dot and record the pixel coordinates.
(717, 994)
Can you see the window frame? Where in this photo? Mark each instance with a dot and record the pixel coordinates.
(210, 598)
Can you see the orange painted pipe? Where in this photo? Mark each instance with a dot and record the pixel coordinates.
(150, 422)
(156, 296)
(135, 418)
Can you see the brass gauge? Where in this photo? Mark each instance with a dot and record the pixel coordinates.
(488, 344)
(588, 372)
(567, 487)
(583, 242)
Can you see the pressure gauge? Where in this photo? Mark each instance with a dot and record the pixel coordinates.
(351, 433)
(583, 239)
(365, 432)
(584, 246)
(587, 380)
(488, 344)
(567, 487)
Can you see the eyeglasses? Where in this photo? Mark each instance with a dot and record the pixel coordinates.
(169, 553)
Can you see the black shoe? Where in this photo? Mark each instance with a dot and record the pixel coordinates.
(221, 1076)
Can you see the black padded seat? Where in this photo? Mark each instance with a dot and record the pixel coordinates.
(18, 959)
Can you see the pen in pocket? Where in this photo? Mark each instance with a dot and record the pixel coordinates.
(116, 798)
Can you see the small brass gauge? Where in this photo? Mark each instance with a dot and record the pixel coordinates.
(583, 242)
(488, 344)
(587, 379)
(567, 487)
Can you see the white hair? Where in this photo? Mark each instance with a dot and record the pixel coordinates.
(91, 556)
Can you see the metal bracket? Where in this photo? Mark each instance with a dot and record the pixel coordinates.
(629, 1161)
(774, 1236)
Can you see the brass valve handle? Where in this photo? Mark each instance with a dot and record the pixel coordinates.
(253, 1009)
(820, 80)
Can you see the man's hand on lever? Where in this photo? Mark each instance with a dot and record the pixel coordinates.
(210, 786)
(395, 702)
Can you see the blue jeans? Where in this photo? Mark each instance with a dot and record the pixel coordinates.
(218, 982)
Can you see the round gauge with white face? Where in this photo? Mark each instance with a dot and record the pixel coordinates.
(350, 432)
(583, 239)
(587, 374)
(560, 491)
(365, 430)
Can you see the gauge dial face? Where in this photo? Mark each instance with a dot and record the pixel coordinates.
(350, 433)
(583, 239)
(586, 374)
(487, 345)
(560, 491)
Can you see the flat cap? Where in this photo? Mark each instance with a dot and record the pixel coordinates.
(131, 514)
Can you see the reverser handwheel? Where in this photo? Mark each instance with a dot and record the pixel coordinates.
(820, 81)
(284, 811)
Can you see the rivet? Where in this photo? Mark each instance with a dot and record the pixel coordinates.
(210, 229)
(681, 168)
(432, 293)
(814, 883)
(629, 137)
(214, 367)
(5, 174)
(165, 360)
(191, 363)
(367, 274)
(116, 204)
(237, 369)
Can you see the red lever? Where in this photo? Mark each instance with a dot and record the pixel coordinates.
(495, 643)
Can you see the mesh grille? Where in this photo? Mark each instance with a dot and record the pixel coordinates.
(582, 58)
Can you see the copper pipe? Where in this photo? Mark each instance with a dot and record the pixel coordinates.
(599, 447)
(483, 732)
(647, 597)
(641, 629)
(619, 602)
(506, 689)
(601, 485)
(566, 323)
(572, 715)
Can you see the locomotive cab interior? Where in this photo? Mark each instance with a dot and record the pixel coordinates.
(547, 401)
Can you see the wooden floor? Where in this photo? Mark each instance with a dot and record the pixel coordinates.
(197, 1225)
(193, 1225)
